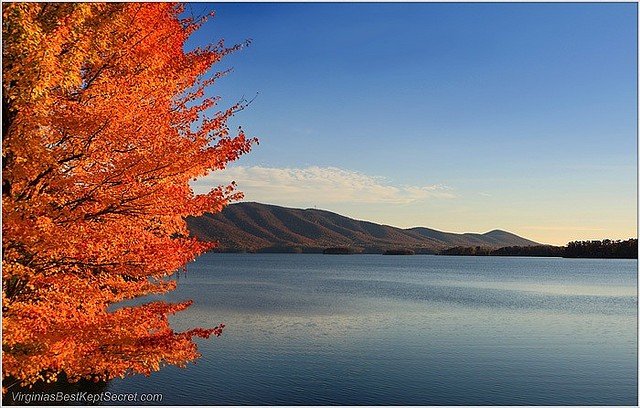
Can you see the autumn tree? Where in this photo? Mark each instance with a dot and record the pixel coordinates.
(105, 122)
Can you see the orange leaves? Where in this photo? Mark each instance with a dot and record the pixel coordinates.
(105, 122)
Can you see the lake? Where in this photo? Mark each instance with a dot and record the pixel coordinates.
(404, 330)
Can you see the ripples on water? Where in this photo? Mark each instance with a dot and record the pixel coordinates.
(418, 330)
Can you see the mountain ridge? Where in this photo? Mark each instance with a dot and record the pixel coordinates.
(256, 227)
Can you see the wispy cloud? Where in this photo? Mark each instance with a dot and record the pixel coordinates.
(560, 228)
(317, 185)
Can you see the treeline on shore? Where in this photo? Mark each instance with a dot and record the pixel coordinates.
(602, 249)
(576, 249)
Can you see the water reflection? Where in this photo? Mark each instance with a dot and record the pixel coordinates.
(367, 330)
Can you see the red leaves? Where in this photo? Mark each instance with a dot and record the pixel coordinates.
(205, 333)
(105, 126)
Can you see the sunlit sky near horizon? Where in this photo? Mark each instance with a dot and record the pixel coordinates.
(461, 117)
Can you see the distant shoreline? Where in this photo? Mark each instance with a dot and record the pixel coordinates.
(606, 249)
(419, 255)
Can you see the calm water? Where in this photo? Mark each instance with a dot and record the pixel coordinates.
(405, 330)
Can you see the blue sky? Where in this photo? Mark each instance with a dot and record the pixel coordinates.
(461, 117)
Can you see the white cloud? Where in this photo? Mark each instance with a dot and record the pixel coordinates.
(317, 185)
(560, 228)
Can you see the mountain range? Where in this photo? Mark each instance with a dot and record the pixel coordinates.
(255, 227)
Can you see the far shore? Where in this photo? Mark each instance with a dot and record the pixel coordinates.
(606, 249)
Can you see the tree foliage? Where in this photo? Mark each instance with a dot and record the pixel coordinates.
(603, 249)
(575, 249)
(105, 122)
